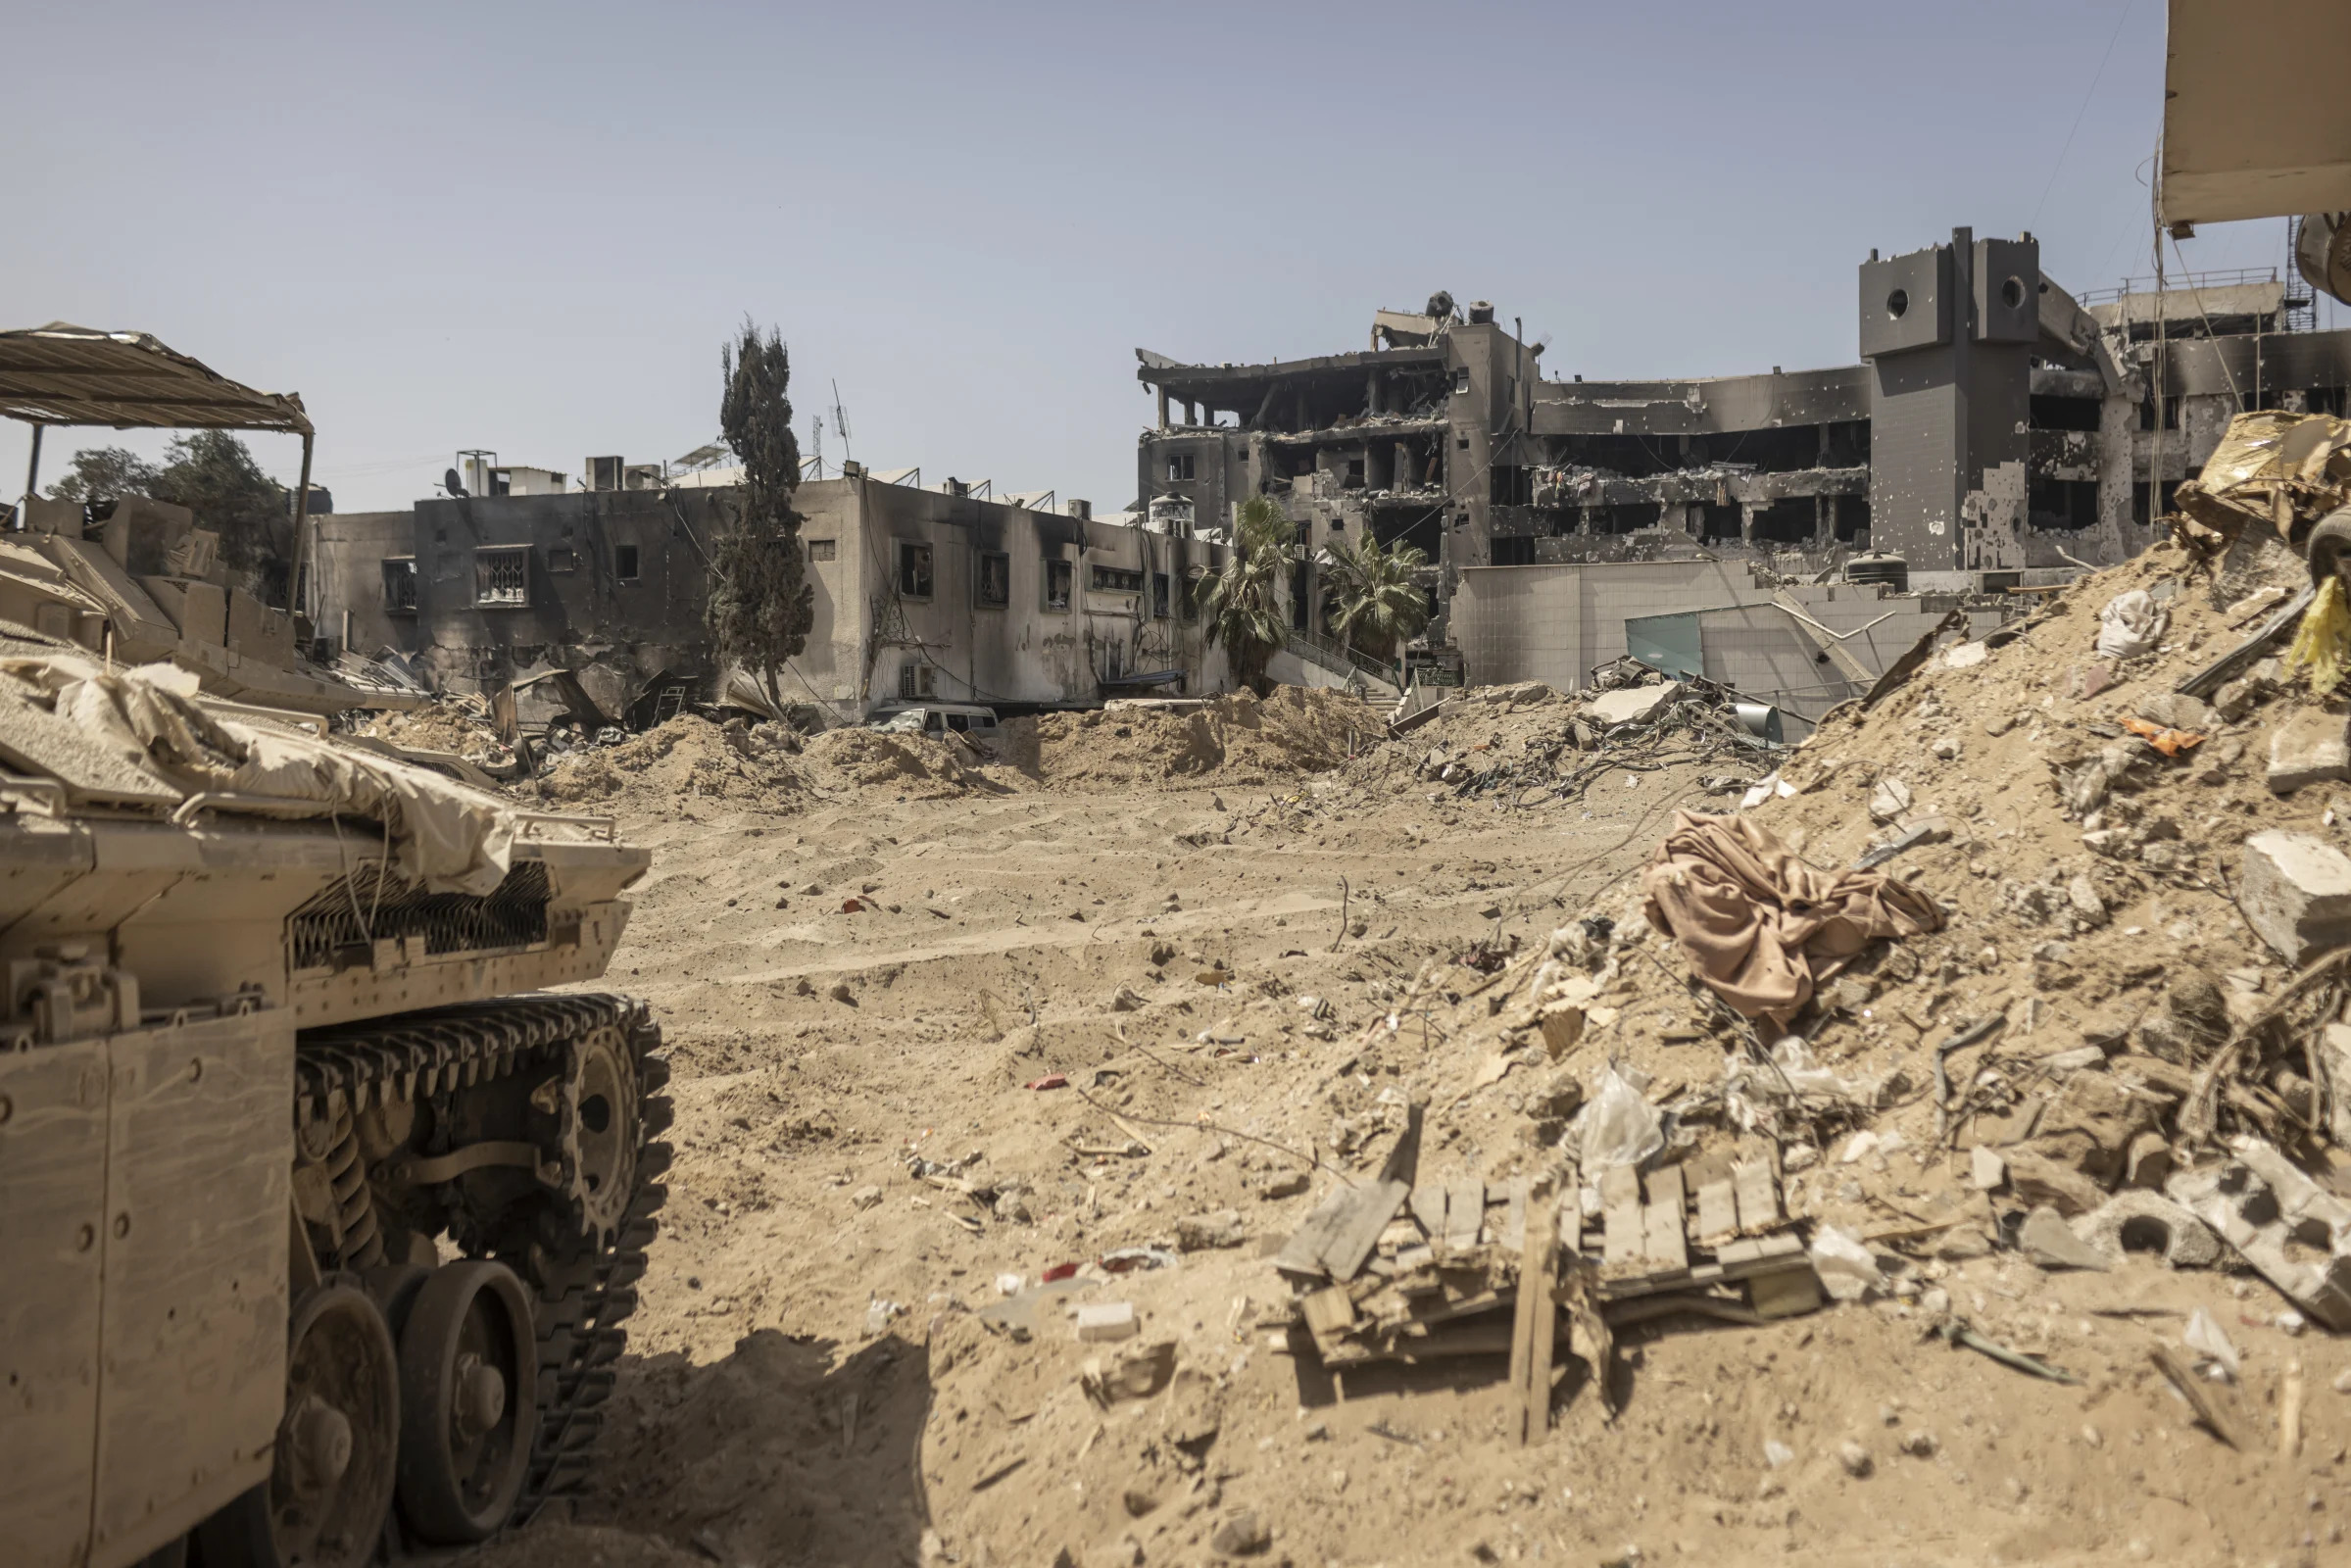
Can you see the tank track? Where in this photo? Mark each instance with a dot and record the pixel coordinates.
(584, 1294)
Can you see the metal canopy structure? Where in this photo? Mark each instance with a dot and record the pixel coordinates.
(66, 374)
(2256, 123)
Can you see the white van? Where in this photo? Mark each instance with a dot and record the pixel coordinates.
(937, 721)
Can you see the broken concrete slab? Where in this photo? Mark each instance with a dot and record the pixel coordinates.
(1107, 1320)
(1631, 704)
(2147, 1222)
(2295, 892)
(1987, 1170)
(2248, 1213)
(2174, 710)
(2049, 1243)
(2309, 747)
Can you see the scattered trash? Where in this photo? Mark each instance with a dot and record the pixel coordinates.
(1052, 1079)
(2216, 1353)
(1107, 1320)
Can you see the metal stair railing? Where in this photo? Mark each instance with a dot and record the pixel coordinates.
(1336, 656)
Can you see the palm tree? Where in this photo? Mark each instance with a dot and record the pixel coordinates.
(1245, 605)
(1375, 604)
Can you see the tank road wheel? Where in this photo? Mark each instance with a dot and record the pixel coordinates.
(330, 1484)
(468, 1373)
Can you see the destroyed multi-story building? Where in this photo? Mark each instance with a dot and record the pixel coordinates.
(590, 601)
(1996, 433)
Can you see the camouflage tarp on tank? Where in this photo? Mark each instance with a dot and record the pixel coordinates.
(446, 835)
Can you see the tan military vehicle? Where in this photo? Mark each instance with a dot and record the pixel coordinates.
(320, 1210)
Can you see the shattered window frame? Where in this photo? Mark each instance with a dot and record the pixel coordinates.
(914, 575)
(562, 563)
(916, 679)
(1060, 581)
(1182, 466)
(823, 550)
(1161, 595)
(502, 577)
(400, 584)
(992, 580)
(626, 563)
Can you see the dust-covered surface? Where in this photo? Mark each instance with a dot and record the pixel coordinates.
(1233, 739)
(815, 1376)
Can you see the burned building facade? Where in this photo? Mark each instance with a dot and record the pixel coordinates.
(591, 604)
(1994, 429)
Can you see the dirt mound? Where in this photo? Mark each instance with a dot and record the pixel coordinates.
(1230, 740)
(446, 726)
(686, 759)
(911, 764)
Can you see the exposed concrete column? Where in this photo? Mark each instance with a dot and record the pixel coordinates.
(1746, 521)
(1584, 521)
(2118, 443)
(1163, 408)
(1371, 391)
(1824, 514)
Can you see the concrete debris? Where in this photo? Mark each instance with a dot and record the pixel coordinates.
(2310, 748)
(1848, 1271)
(1197, 1233)
(1098, 1321)
(2295, 892)
(2139, 1221)
(1134, 1372)
(2288, 1235)
(1241, 1535)
(2051, 1244)
(1631, 705)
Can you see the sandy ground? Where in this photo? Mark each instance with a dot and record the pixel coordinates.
(812, 1376)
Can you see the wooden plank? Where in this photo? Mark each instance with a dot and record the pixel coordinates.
(1374, 1205)
(1758, 1195)
(1302, 1255)
(1368, 1210)
(1718, 1212)
(1428, 1209)
(1328, 1312)
(1662, 1239)
(1514, 1214)
(1539, 1327)
(1464, 1214)
(1666, 1186)
(1620, 1214)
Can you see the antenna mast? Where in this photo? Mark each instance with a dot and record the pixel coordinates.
(840, 421)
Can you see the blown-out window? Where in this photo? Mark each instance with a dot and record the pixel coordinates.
(914, 570)
(995, 580)
(502, 576)
(400, 583)
(1056, 584)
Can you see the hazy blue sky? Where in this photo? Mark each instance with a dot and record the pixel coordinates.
(530, 228)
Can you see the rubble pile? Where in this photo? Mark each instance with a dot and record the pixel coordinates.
(1632, 722)
(2108, 1015)
(681, 759)
(1230, 740)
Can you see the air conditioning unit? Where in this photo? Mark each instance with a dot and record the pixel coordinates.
(642, 476)
(604, 474)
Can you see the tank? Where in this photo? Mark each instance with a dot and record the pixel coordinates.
(321, 1207)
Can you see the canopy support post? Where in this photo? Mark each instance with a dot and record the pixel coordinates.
(32, 473)
(302, 514)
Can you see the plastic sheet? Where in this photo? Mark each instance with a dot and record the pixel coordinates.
(1616, 1126)
(2323, 642)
